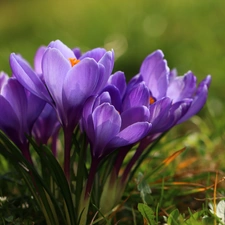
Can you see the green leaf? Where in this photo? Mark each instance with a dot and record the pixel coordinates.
(147, 213)
(59, 177)
(194, 217)
(175, 218)
(9, 219)
(33, 180)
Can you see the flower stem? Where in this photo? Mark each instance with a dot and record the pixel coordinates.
(133, 160)
(120, 157)
(24, 147)
(67, 147)
(91, 176)
(54, 143)
(137, 158)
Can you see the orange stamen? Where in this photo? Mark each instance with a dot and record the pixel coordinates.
(151, 100)
(74, 61)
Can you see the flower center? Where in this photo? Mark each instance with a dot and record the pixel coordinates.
(152, 100)
(74, 61)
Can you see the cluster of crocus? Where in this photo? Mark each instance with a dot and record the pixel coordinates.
(78, 92)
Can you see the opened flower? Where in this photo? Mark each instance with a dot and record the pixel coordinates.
(65, 82)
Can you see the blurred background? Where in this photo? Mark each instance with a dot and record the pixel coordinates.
(191, 33)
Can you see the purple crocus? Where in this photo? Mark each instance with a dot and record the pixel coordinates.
(173, 99)
(107, 127)
(65, 82)
(19, 110)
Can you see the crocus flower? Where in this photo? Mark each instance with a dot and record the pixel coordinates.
(107, 128)
(19, 110)
(109, 125)
(65, 83)
(173, 99)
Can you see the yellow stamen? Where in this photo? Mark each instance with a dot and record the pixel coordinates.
(74, 61)
(151, 100)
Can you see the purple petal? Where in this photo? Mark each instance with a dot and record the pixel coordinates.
(55, 68)
(81, 82)
(14, 93)
(172, 75)
(182, 87)
(171, 117)
(206, 81)
(118, 80)
(107, 123)
(65, 51)
(107, 61)
(154, 71)
(137, 96)
(130, 135)
(46, 125)
(8, 116)
(95, 53)
(3, 79)
(9, 121)
(198, 101)
(77, 52)
(35, 106)
(159, 113)
(179, 109)
(89, 106)
(28, 78)
(87, 122)
(134, 115)
(104, 97)
(38, 59)
(115, 97)
(134, 81)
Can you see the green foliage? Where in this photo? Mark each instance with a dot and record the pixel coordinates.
(35, 183)
(147, 213)
(175, 217)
